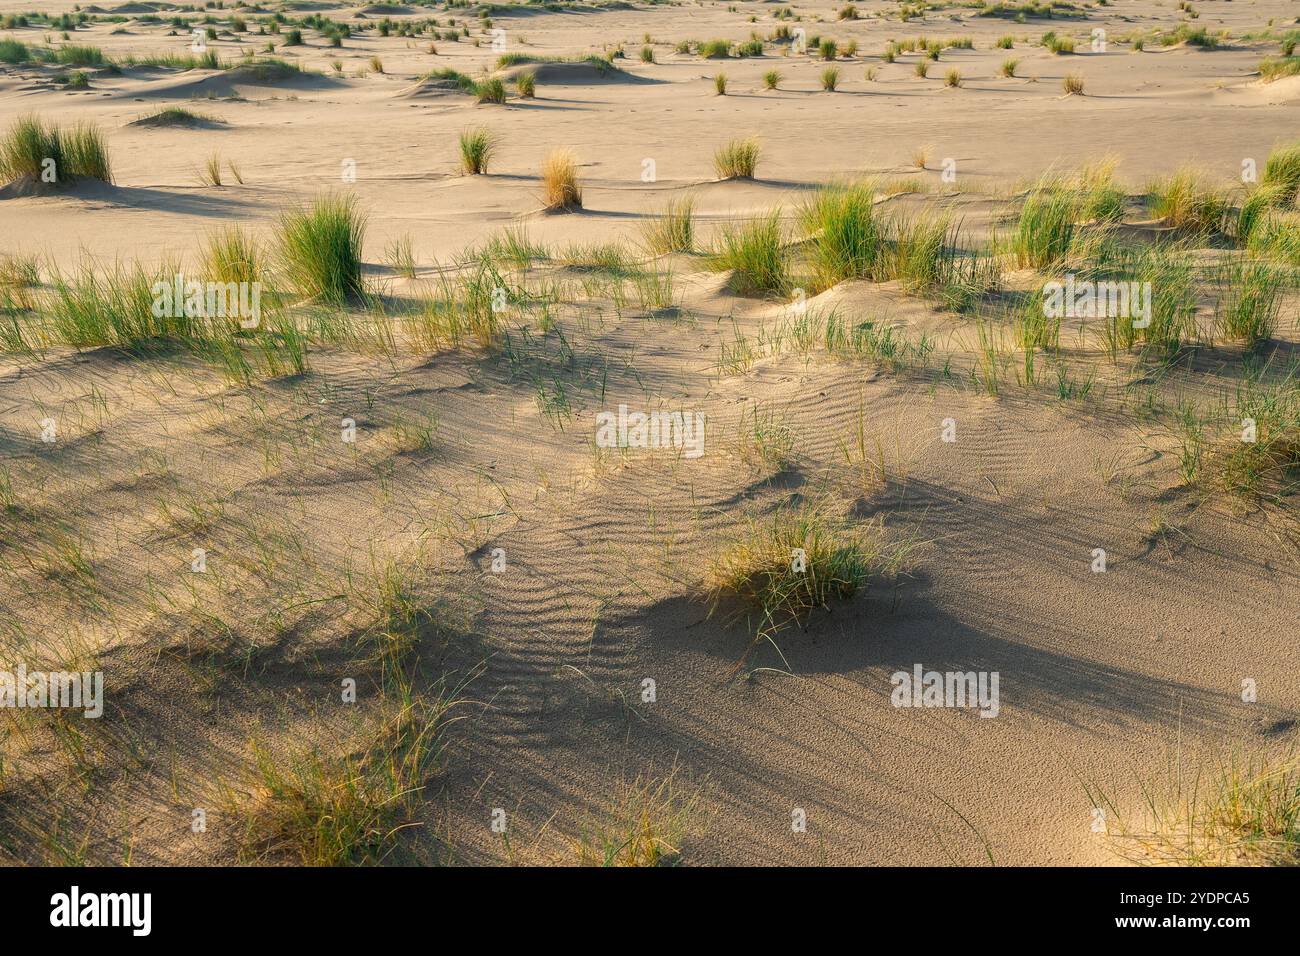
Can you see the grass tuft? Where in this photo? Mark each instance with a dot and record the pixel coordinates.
(1186, 202)
(674, 230)
(340, 810)
(755, 253)
(320, 248)
(783, 568)
(491, 90)
(560, 189)
(53, 155)
(476, 149)
(845, 235)
(738, 159)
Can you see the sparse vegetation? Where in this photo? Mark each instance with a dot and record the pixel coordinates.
(1186, 202)
(673, 230)
(738, 159)
(760, 575)
(754, 252)
(560, 189)
(476, 149)
(320, 248)
(53, 155)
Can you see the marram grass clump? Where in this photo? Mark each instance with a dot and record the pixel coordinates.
(755, 253)
(845, 239)
(476, 149)
(781, 568)
(673, 230)
(560, 189)
(53, 155)
(738, 159)
(320, 248)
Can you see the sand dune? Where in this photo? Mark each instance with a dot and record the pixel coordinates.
(489, 576)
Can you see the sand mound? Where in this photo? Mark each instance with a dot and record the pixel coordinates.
(581, 73)
(272, 73)
(1283, 91)
(452, 84)
(177, 119)
(26, 187)
(29, 187)
(223, 83)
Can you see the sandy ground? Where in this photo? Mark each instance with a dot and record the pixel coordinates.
(1105, 678)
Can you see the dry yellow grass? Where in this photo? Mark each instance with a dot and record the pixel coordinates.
(560, 189)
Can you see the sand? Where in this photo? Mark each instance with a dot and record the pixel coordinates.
(1106, 679)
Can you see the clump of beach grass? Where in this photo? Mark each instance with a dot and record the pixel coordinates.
(92, 308)
(1187, 202)
(233, 255)
(1072, 83)
(526, 85)
(320, 248)
(1058, 44)
(673, 230)
(738, 159)
(845, 235)
(210, 171)
(782, 568)
(644, 826)
(830, 79)
(1282, 173)
(1045, 226)
(1277, 236)
(491, 90)
(476, 148)
(51, 154)
(1278, 68)
(754, 251)
(174, 116)
(560, 189)
(1242, 812)
(346, 809)
(1250, 301)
